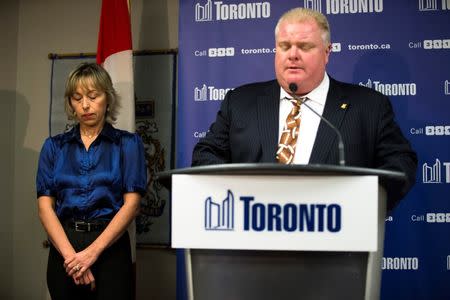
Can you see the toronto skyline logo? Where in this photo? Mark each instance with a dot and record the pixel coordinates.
(201, 94)
(219, 215)
(431, 174)
(313, 4)
(203, 13)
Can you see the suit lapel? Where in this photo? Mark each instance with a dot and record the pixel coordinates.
(268, 106)
(334, 112)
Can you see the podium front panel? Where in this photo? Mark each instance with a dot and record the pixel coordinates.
(309, 213)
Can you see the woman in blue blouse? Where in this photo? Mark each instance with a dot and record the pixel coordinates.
(89, 184)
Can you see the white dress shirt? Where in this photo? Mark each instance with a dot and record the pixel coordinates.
(309, 121)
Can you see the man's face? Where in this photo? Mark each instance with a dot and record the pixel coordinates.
(301, 55)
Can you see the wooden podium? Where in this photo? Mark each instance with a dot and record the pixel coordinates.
(270, 231)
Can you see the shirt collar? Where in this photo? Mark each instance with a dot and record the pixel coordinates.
(284, 95)
(108, 132)
(317, 95)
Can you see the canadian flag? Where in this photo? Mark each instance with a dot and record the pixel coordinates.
(114, 52)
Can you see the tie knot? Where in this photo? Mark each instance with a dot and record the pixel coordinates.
(298, 101)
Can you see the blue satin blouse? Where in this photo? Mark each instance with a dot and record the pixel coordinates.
(89, 184)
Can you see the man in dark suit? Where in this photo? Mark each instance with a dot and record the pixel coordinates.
(250, 124)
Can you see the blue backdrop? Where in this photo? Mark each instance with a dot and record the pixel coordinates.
(400, 48)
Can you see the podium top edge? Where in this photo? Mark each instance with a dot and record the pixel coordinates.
(278, 169)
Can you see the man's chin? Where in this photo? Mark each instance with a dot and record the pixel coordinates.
(296, 80)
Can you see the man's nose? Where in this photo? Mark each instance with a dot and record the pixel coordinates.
(294, 53)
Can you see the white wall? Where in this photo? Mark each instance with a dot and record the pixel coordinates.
(8, 31)
(33, 29)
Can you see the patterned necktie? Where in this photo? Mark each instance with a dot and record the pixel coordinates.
(288, 140)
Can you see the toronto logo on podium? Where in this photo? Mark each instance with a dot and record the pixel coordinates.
(219, 215)
(271, 215)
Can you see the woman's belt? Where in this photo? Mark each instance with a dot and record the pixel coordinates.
(87, 226)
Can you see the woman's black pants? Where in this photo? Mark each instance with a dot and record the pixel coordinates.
(113, 271)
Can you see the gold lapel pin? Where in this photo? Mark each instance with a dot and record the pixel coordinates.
(344, 106)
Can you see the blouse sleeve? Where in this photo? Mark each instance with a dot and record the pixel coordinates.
(45, 173)
(134, 166)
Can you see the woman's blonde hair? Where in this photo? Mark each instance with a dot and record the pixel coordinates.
(92, 73)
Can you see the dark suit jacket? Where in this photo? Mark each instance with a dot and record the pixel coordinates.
(246, 131)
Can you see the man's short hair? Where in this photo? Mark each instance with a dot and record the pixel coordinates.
(301, 14)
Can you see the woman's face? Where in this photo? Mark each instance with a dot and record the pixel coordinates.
(89, 105)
